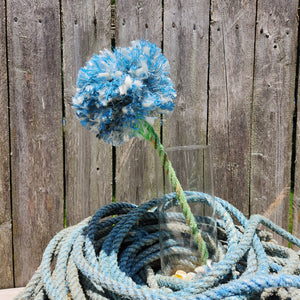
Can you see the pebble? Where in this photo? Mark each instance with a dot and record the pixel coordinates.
(183, 275)
(199, 270)
(189, 276)
(179, 274)
(208, 263)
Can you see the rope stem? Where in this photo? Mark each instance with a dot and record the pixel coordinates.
(147, 132)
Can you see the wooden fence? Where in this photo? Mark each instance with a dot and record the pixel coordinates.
(235, 65)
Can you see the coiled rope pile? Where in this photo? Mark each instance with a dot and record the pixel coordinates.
(115, 255)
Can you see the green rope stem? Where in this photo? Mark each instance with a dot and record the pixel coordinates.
(147, 132)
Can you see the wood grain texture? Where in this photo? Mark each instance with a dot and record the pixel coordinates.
(273, 103)
(296, 198)
(138, 19)
(230, 97)
(6, 270)
(86, 31)
(186, 33)
(135, 160)
(36, 130)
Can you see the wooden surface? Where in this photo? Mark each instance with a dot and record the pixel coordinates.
(6, 255)
(88, 161)
(186, 33)
(296, 196)
(231, 62)
(273, 104)
(36, 130)
(135, 160)
(186, 45)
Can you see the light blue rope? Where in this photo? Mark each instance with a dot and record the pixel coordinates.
(115, 258)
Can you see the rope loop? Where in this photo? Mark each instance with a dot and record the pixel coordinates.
(115, 255)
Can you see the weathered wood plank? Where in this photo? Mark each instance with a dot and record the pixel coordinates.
(6, 257)
(230, 96)
(36, 129)
(186, 33)
(273, 103)
(86, 31)
(296, 198)
(135, 160)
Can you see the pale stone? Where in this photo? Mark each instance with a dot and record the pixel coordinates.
(200, 269)
(209, 263)
(189, 276)
(180, 274)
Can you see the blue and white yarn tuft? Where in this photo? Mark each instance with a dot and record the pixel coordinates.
(117, 89)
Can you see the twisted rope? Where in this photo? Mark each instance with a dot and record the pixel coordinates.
(115, 255)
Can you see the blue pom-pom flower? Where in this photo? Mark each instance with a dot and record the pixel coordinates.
(120, 94)
(118, 89)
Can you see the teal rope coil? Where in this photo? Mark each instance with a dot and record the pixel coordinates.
(115, 255)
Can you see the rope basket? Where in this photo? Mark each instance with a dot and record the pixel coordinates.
(115, 255)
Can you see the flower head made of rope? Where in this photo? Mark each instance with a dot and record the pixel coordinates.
(119, 95)
(118, 89)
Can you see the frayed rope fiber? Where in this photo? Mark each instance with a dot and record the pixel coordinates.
(115, 255)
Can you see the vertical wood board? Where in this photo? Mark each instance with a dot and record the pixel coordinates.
(230, 97)
(135, 160)
(6, 270)
(86, 31)
(186, 30)
(296, 197)
(186, 35)
(36, 130)
(273, 103)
